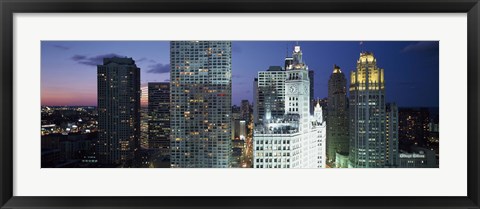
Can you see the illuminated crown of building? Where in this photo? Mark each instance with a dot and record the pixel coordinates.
(297, 63)
(367, 73)
(336, 69)
(366, 57)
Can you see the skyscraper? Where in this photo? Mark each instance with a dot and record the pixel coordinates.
(201, 94)
(270, 93)
(118, 90)
(245, 110)
(311, 76)
(296, 138)
(255, 100)
(391, 122)
(367, 114)
(159, 116)
(338, 142)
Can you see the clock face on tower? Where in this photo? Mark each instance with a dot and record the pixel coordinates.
(293, 88)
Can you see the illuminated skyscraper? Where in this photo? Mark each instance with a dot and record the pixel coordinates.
(201, 94)
(367, 114)
(159, 116)
(338, 142)
(118, 111)
(295, 139)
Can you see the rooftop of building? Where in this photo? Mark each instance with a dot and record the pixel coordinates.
(336, 69)
(275, 68)
(118, 60)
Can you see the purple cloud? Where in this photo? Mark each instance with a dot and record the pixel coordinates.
(78, 57)
(159, 68)
(95, 60)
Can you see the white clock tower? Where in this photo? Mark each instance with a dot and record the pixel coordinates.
(296, 139)
(297, 89)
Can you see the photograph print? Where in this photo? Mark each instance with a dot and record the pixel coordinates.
(240, 104)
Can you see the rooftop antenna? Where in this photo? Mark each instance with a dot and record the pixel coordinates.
(361, 47)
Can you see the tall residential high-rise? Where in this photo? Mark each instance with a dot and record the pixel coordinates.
(391, 154)
(296, 138)
(338, 142)
(159, 116)
(270, 93)
(201, 103)
(118, 88)
(367, 114)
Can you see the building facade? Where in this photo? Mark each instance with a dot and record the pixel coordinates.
(240, 129)
(270, 94)
(391, 137)
(311, 77)
(338, 141)
(367, 114)
(255, 100)
(159, 116)
(201, 94)
(245, 110)
(296, 138)
(118, 89)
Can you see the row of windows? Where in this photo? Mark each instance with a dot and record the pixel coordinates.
(275, 160)
(273, 148)
(272, 142)
(273, 166)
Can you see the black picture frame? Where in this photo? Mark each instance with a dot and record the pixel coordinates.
(10, 7)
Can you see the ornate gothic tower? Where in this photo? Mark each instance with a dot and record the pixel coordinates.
(367, 114)
(297, 89)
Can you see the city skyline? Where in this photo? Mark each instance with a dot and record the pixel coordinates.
(68, 75)
(191, 121)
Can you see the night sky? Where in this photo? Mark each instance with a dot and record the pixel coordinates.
(68, 68)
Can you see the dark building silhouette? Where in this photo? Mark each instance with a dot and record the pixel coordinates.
(338, 142)
(391, 122)
(159, 116)
(245, 110)
(413, 127)
(118, 111)
(311, 76)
